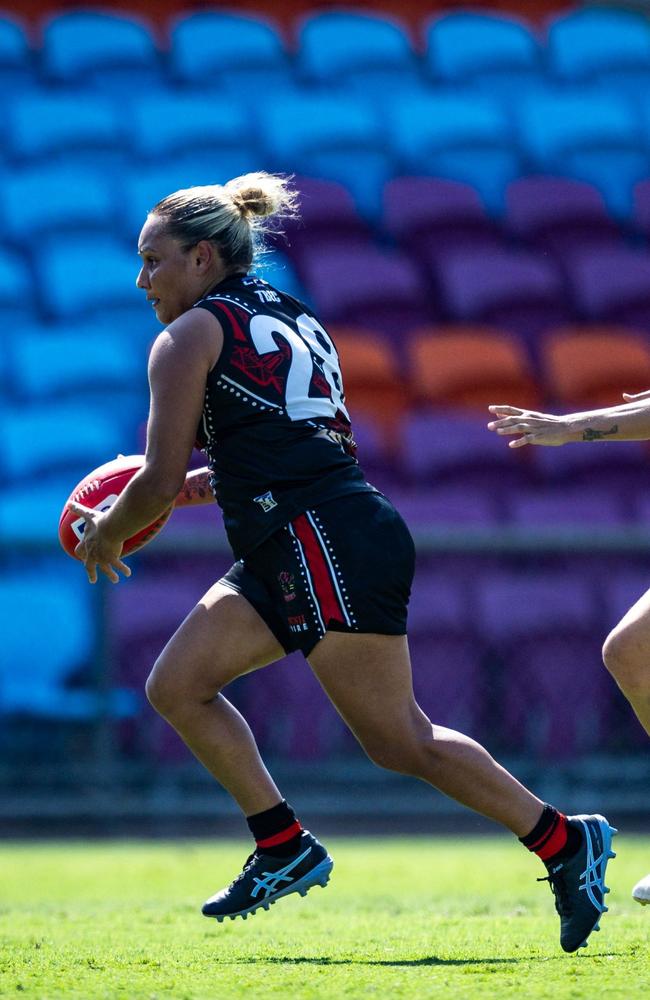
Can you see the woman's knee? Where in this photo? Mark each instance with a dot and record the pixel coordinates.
(627, 657)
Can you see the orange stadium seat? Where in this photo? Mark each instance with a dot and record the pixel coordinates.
(587, 367)
(374, 387)
(471, 366)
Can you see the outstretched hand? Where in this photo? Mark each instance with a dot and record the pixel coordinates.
(96, 550)
(533, 427)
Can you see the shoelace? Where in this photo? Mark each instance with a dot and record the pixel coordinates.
(247, 864)
(559, 890)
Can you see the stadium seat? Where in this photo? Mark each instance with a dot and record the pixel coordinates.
(144, 186)
(433, 214)
(641, 211)
(452, 447)
(80, 129)
(74, 287)
(211, 140)
(587, 367)
(356, 51)
(46, 688)
(244, 55)
(610, 285)
(461, 136)
(16, 60)
(493, 51)
(358, 284)
(321, 136)
(553, 695)
(16, 288)
(559, 214)
(40, 199)
(326, 210)
(373, 384)
(602, 46)
(52, 440)
(96, 48)
(278, 270)
(565, 506)
(445, 508)
(588, 134)
(515, 290)
(470, 367)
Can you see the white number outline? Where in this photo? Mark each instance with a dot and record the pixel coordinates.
(302, 343)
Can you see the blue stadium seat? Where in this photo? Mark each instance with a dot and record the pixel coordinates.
(79, 128)
(78, 279)
(586, 134)
(244, 55)
(492, 51)
(211, 139)
(601, 46)
(356, 50)
(36, 674)
(16, 63)
(276, 268)
(16, 288)
(54, 439)
(40, 199)
(143, 188)
(464, 137)
(100, 49)
(321, 136)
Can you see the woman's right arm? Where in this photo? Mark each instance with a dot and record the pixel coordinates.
(628, 422)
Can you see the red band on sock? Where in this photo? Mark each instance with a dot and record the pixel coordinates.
(282, 837)
(555, 842)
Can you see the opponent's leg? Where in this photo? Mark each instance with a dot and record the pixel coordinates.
(368, 678)
(626, 654)
(221, 639)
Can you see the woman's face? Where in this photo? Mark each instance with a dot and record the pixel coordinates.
(173, 278)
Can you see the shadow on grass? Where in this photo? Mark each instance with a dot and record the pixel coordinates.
(412, 962)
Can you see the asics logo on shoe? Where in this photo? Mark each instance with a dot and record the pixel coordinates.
(271, 880)
(592, 874)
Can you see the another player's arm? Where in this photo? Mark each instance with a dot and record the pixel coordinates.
(180, 360)
(628, 422)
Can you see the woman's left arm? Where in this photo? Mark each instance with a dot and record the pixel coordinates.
(180, 360)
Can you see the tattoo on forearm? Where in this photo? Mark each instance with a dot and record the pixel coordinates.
(591, 435)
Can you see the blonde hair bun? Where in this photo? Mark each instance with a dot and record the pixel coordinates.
(261, 194)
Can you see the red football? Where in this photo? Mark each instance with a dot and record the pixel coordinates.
(99, 490)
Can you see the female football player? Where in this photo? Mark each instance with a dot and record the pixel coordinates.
(626, 652)
(324, 563)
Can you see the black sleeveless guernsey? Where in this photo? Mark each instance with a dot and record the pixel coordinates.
(275, 428)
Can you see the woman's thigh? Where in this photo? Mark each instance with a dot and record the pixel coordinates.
(222, 638)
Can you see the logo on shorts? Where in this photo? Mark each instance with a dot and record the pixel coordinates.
(297, 623)
(266, 501)
(288, 583)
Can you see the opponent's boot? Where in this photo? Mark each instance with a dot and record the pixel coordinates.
(265, 878)
(641, 891)
(578, 883)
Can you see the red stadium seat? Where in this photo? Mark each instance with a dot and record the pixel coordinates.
(470, 366)
(374, 388)
(588, 367)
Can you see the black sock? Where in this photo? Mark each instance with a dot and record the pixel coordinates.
(552, 839)
(276, 830)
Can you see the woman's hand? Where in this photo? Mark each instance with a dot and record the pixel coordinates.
(635, 397)
(97, 549)
(534, 428)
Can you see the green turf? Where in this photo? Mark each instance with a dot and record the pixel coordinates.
(408, 918)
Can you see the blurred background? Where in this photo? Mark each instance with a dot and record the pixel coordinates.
(475, 192)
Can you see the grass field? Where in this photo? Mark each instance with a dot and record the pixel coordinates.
(401, 917)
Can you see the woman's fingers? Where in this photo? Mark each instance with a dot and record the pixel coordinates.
(503, 410)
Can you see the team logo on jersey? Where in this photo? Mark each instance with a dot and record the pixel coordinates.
(266, 501)
(288, 583)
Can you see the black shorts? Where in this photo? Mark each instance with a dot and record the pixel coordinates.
(345, 566)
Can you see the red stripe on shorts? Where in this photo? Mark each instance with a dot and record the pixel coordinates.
(328, 601)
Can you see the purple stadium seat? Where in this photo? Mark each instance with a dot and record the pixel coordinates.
(545, 629)
(641, 212)
(567, 507)
(518, 290)
(431, 214)
(326, 211)
(452, 506)
(355, 282)
(445, 448)
(618, 468)
(611, 285)
(559, 214)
